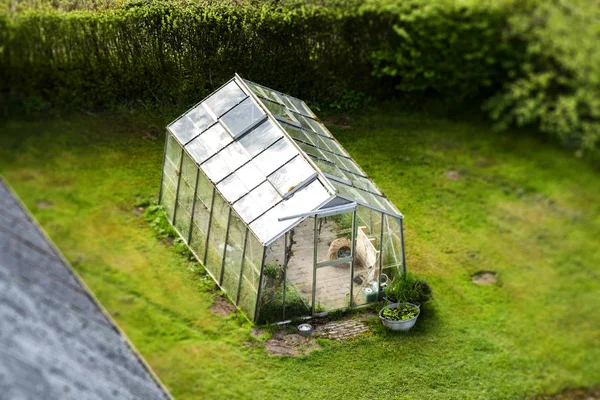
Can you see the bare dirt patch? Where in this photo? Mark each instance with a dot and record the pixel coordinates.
(222, 307)
(290, 344)
(484, 278)
(151, 133)
(453, 175)
(138, 210)
(43, 204)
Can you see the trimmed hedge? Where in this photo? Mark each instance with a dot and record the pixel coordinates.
(162, 52)
(537, 59)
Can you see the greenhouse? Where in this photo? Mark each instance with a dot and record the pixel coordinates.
(282, 218)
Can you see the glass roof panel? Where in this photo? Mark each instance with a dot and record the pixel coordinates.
(275, 156)
(242, 116)
(366, 198)
(225, 98)
(312, 151)
(240, 182)
(257, 201)
(347, 164)
(286, 178)
(288, 103)
(297, 133)
(250, 175)
(232, 188)
(300, 106)
(225, 162)
(260, 137)
(184, 129)
(201, 117)
(330, 168)
(280, 111)
(208, 143)
(268, 226)
(318, 127)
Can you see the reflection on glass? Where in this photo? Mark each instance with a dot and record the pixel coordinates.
(275, 156)
(225, 162)
(184, 129)
(225, 98)
(257, 201)
(208, 143)
(241, 182)
(286, 178)
(200, 117)
(260, 138)
(242, 116)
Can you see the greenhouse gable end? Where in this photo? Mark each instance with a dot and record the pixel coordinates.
(280, 215)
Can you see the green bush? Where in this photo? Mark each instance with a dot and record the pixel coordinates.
(557, 87)
(407, 288)
(443, 47)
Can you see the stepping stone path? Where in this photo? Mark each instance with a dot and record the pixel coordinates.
(341, 330)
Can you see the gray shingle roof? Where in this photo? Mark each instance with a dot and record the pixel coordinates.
(55, 340)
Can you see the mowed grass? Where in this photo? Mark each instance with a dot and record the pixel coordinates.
(523, 209)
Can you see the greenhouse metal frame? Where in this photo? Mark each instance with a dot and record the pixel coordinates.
(280, 215)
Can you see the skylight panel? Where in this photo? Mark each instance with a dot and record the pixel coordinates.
(291, 174)
(242, 117)
(225, 98)
(275, 156)
(257, 201)
(225, 162)
(260, 138)
(208, 143)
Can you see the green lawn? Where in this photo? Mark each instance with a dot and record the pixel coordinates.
(524, 209)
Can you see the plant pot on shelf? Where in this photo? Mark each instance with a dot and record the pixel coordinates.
(394, 320)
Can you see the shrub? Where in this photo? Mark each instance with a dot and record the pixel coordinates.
(557, 87)
(443, 47)
(407, 288)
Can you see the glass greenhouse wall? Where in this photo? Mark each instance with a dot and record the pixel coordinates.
(282, 218)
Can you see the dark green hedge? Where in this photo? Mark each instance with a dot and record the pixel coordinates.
(166, 53)
(536, 59)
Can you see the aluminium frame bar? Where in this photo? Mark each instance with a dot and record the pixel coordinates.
(237, 297)
(354, 227)
(337, 261)
(193, 206)
(323, 212)
(400, 221)
(225, 247)
(178, 186)
(372, 207)
(210, 217)
(260, 284)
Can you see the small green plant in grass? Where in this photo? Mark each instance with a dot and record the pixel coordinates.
(402, 312)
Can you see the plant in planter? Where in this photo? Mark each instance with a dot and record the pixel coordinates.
(407, 288)
(399, 316)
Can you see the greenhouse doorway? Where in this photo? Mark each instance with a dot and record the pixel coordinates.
(334, 238)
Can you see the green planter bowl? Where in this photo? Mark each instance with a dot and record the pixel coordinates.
(399, 325)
